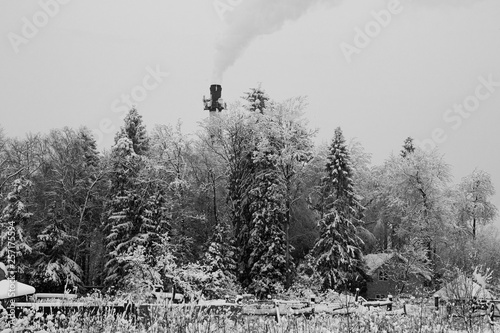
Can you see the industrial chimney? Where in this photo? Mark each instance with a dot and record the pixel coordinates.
(215, 102)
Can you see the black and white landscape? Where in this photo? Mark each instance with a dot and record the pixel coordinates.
(270, 160)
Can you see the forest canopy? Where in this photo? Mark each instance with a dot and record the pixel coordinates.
(246, 203)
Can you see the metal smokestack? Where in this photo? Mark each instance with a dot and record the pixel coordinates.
(215, 102)
(215, 91)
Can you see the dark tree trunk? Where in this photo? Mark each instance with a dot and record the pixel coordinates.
(287, 253)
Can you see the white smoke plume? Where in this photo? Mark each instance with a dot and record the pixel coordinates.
(250, 19)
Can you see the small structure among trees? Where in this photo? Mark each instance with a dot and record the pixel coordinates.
(390, 274)
(462, 288)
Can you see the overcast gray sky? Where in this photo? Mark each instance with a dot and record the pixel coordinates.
(382, 70)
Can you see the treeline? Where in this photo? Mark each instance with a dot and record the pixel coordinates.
(246, 203)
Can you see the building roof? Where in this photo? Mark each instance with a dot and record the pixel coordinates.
(375, 260)
(462, 288)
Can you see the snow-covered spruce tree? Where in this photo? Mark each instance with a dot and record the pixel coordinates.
(88, 146)
(408, 147)
(135, 130)
(124, 217)
(155, 226)
(54, 271)
(266, 246)
(337, 253)
(257, 99)
(219, 263)
(14, 219)
(240, 179)
(122, 221)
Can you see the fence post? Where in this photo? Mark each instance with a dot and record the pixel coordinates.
(389, 306)
(491, 310)
(277, 309)
(436, 302)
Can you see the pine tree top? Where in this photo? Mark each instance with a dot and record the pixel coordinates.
(257, 98)
(134, 130)
(408, 147)
(338, 182)
(89, 147)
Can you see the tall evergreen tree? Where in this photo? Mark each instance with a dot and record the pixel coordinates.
(13, 222)
(122, 219)
(126, 205)
(266, 246)
(338, 257)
